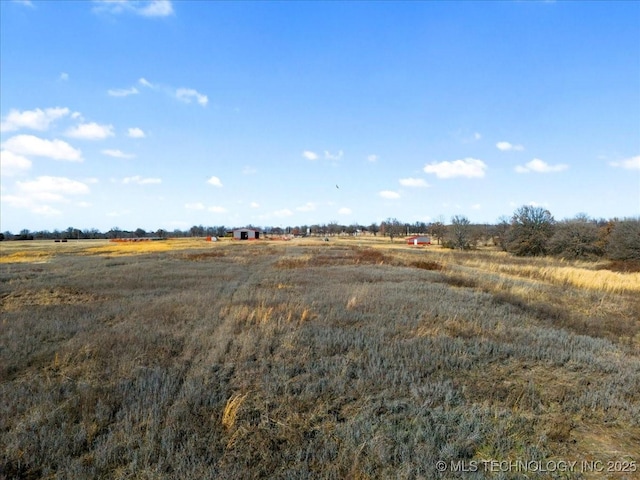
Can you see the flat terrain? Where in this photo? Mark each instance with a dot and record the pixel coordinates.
(353, 358)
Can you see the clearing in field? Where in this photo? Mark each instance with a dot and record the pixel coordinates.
(308, 359)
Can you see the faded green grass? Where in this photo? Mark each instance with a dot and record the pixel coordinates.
(306, 361)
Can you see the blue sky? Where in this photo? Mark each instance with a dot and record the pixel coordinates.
(159, 114)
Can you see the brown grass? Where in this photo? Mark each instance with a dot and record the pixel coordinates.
(310, 359)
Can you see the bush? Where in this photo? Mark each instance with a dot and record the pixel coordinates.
(575, 239)
(624, 241)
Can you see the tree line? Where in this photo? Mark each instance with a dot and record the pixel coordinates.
(530, 231)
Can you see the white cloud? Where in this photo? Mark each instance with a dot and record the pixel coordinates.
(536, 204)
(117, 154)
(64, 76)
(506, 146)
(372, 158)
(194, 206)
(632, 163)
(52, 189)
(123, 92)
(469, 167)
(137, 179)
(307, 207)
(471, 138)
(539, 166)
(285, 212)
(344, 211)
(216, 209)
(309, 155)
(90, 131)
(37, 119)
(136, 133)
(215, 181)
(30, 203)
(186, 95)
(26, 3)
(146, 83)
(389, 195)
(330, 156)
(413, 182)
(144, 8)
(30, 145)
(12, 164)
(254, 205)
(156, 8)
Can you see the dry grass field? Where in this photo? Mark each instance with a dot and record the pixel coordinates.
(347, 359)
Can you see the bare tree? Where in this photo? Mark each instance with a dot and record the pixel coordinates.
(438, 229)
(576, 238)
(624, 240)
(460, 232)
(530, 230)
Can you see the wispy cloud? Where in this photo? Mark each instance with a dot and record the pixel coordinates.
(37, 119)
(123, 92)
(146, 83)
(254, 205)
(389, 194)
(413, 182)
(247, 170)
(138, 180)
(194, 206)
(632, 163)
(309, 155)
(36, 195)
(217, 209)
(468, 167)
(64, 76)
(285, 212)
(187, 95)
(136, 133)
(372, 158)
(333, 156)
(13, 164)
(539, 166)
(26, 3)
(506, 146)
(53, 188)
(30, 145)
(215, 181)
(344, 211)
(117, 154)
(307, 207)
(90, 131)
(144, 8)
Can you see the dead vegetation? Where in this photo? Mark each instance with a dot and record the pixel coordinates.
(307, 361)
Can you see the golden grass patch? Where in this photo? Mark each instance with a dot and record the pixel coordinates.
(230, 411)
(54, 296)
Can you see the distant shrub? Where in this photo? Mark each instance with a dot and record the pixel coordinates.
(624, 240)
(575, 239)
(427, 265)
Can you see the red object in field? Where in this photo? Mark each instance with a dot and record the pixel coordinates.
(419, 240)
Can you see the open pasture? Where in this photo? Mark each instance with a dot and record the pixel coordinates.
(353, 358)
